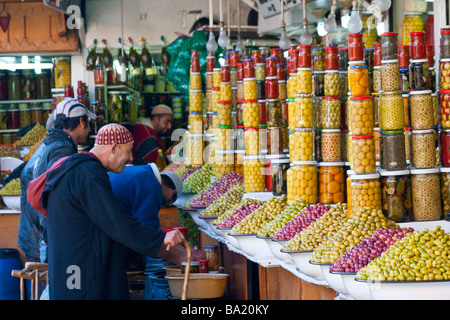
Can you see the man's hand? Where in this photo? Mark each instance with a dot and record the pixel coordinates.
(173, 238)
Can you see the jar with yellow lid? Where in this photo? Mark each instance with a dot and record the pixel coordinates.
(391, 111)
(363, 154)
(304, 81)
(223, 163)
(195, 100)
(365, 191)
(250, 89)
(361, 115)
(303, 112)
(412, 22)
(302, 182)
(62, 73)
(195, 81)
(224, 113)
(252, 139)
(332, 84)
(301, 145)
(330, 113)
(331, 182)
(254, 174)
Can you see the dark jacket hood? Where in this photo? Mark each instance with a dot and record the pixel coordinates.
(57, 135)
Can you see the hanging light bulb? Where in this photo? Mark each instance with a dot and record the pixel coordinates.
(223, 40)
(383, 4)
(284, 42)
(240, 47)
(305, 37)
(211, 45)
(355, 23)
(330, 23)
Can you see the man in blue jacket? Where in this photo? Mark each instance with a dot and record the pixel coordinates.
(71, 127)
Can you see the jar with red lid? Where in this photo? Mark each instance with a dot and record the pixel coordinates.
(281, 71)
(445, 147)
(240, 71)
(271, 87)
(304, 56)
(293, 61)
(355, 47)
(256, 56)
(377, 54)
(343, 59)
(418, 46)
(210, 63)
(234, 58)
(225, 73)
(331, 58)
(249, 68)
(429, 29)
(271, 67)
(277, 53)
(403, 56)
(389, 46)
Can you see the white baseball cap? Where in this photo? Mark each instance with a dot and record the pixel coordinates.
(72, 108)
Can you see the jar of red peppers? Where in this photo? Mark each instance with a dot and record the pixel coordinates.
(418, 46)
(445, 147)
(389, 46)
(271, 88)
(355, 47)
(331, 58)
(403, 56)
(377, 54)
(271, 67)
(304, 56)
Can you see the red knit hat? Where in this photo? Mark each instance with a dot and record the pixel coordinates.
(113, 133)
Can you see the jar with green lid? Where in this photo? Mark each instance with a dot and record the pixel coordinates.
(14, 86)
(392, 150)
(365, 190)
(397, 195)
(24, 115)
(302, 182)
(426, 194)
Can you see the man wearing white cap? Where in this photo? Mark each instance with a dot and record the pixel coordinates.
(147, 134)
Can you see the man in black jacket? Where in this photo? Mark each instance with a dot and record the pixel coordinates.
(71, 121)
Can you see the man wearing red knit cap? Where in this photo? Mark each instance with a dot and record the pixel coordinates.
(88, 227)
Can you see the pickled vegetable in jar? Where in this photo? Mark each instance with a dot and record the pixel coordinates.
(435, 100)
(445, 108)
(332, 58)
(377, 80)
(445, 191)
(365, 191)
(304, 56)
(404, 80)
(273, 113)
(444, 142)
(279, 168)
(377, 57)
(282, 90)
(361, 115)
(215, 97)
(419, 75)
(426, 194)
(389, 46)
(390, 75)
(421, 109)
(194, 149)
(397, 195)
(303, 111)
(304, 81)
(24, 115)
(252, 141)
(217, 77)
(254, 174)
(358, 80)
(332, 84)
(291, 85)
(349, 174)
(271, 88)
(14, 86)
(376, 141)
(224, 138)
(445, 73)
(369, 31)
(195, 122)
(355, 47)
(251, 114)
(302, 182)
(363, 154)
(445, 44)
(226, 93)
(62, 73)
(403, 56)
(224, 113)
(331, 183)
(250, 89)
(412, 22)
(195, 81)
(343, 83)
(274, 142)
(418, 45)
(391, 111)
(343, 59)
(260, 71)
(43, 85)
(319, 83)
(319, 59)
(330, 113)
(376, 108)
(196, 101)
(393, 150)
(423, 149)
(331, 145)
(369, 59)
(301, 145)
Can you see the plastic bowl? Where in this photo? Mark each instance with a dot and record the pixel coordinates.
(200, 285)
(334, 280)
(301, 261)
(12, 202)
(275, 247)
(232, 240)
(253, 246)
(200, 222)
(356, 289)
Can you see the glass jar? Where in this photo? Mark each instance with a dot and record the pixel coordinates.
(403, 56)
(225, 140)
(24, 115)
(319, 59)
(224, 113)
(332, 58)
(376, 108)
(304, 81)
(115, 107)
(391, 111)
(412, 22)
(355, 47)
(421, 109)
(419, 75)
(319, 83)
(254, 174)
(223, 163)
(426, 194)
(304, 56)
(3, 85)
(284, 112)
(358, 80)
(363, 154)
(302, 182)
(282, 90)
(279, 168)
(301, 145)
(369, 59)
(14, 86)
(389, 46)
(404, 80)
(331, 145)
(365, 191)
(62, 73)
(3, 119)
(273, 113)
(303, 111)
(250, 89)
(194, 149)
(260, 71)
(271, 88)
(332, 83)
(274, 140)
(251, 114)
(361, 115)
(344, 145)
(343, 83)
(445, 44)
(343, 59)
(331, 183)
(377, 57)
(226, 93)
(28, 85)
(445, 108)
(43, 85)
(377, 78)
(392, 150)
(195, 122)
(212, 255)
(418, 45)
(390, 75)
(445, 73)
(13, 117)
(444, 142)
(330, 113)
(291, 85)
(423, 149)
(252, 146)
(436, 101)
(195, 81)
(196, 100)
(376, 141)
(397, 195)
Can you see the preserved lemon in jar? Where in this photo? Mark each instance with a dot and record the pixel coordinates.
(62, 73)
(332, 83)
(302, 182)
(195, 82)
(226, 93)
(301, 145)
(224, 113)
(250, 89)
(303, 111)
(412, 22)
(291, 86)
(363, 154)
(194, 149)
(304, 81)
(224, 137)
(195, 100)
(254, 174)
(251, 114)
(251, 136)
(332, 184)
(365, 191)
(361, 115)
